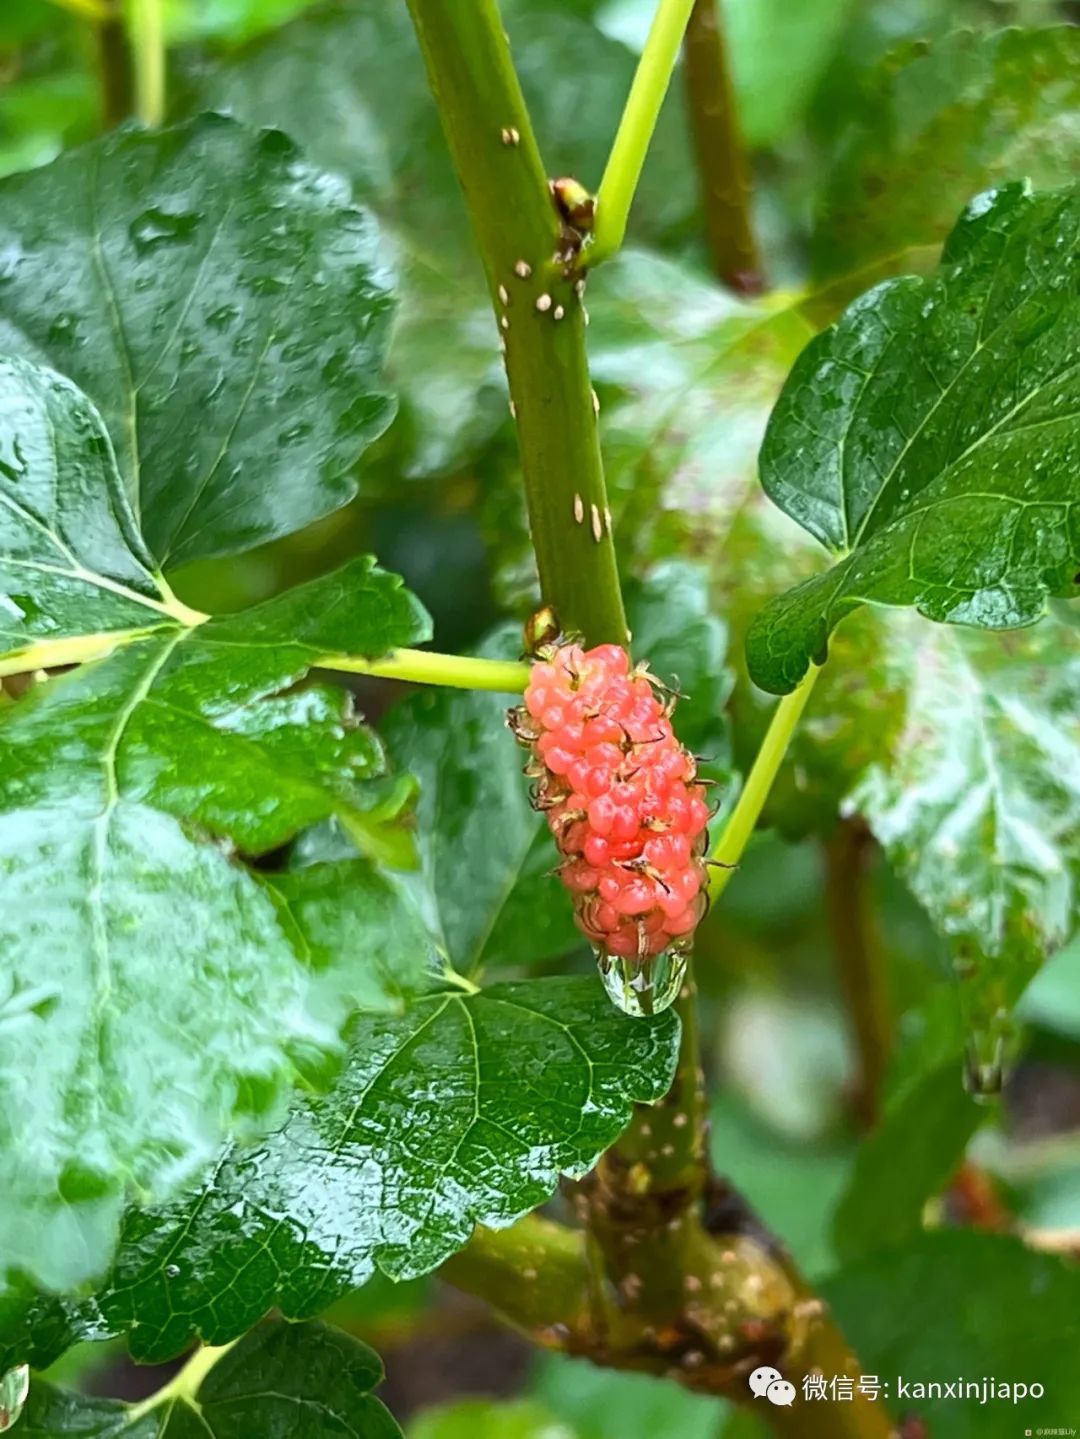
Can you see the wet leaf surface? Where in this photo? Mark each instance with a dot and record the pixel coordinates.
(156, 994)
(929, 439)
(463, 1111)
(978, 803)
(303, 1381)
(192, 283)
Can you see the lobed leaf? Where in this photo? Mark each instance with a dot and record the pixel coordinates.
(156, 994)
(463, 1111)
(929, 439)
(294, 1381)
(193, 282)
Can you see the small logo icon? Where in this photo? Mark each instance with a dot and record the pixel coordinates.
(780, 1392)
(770, 1384)
(761, 1379)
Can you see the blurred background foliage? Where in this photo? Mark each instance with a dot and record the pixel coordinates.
(838, 1108)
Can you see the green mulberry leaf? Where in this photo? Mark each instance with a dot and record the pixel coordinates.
(930, 439)
(157, 994)
(463, 1111)
(223, 305)
(72, 561)
(292, 1381)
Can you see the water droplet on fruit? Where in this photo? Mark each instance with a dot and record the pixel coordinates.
(14, 1388)
(987, 1057)
(643, 987)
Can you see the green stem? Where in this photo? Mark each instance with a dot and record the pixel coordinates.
(647, 92)
(721, 159)
(535, 1274)
(537, 302)
(665, 1143)
(728, 850)
(146, 28)
(424, 667)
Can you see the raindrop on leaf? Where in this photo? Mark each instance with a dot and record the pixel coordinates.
(156, 227)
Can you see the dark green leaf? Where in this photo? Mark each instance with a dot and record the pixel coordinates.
(72, 561)
(353, 925)
(156, 995)
(936, 123)
(223, 305)
(291, 1381)
(930, 439)
(463, 1111)
(966, 1306)
(911, 1154)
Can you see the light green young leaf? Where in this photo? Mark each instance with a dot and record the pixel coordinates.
(193, 283)
(463, 1111)
(489, 1419)
(930, 439)
(294, 1381)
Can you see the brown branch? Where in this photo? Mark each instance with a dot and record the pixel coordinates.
(860, 960)
(670, 1273)
(701, 1296)
(721, 159)
(115, 72)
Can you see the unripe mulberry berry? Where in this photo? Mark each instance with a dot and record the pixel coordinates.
(624, 805)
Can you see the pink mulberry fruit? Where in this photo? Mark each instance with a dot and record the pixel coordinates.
(627, 812)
